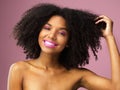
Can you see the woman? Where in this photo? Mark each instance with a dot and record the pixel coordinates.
(57, 41)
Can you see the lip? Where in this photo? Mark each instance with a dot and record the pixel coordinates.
(50, 44)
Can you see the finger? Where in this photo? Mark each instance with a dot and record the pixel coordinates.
(100, 20)
(101, 17)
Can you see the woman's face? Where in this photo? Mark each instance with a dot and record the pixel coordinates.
(53, 36)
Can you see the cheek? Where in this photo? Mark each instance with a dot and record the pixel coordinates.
(63, 41)
(39, 41)
(40, 38)
(42, 34)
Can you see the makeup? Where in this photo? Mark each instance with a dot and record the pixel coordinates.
(50, 44)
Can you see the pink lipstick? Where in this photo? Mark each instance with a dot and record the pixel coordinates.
(49, 44)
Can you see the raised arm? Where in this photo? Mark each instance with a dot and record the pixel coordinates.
(114, 53)
(94, 82)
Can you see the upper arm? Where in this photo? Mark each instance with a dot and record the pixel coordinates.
(15, 77)
(92, 81)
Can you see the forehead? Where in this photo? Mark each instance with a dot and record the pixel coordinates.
(57, 21)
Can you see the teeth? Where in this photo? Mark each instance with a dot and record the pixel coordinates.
(49, 43)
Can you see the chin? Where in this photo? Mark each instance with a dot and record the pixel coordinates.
(52, 52)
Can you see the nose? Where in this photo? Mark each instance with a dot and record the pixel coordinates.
(52, 35)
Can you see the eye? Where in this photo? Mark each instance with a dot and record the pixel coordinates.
(46, 28)
(63, 33)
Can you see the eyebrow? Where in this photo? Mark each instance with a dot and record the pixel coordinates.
(63, 28)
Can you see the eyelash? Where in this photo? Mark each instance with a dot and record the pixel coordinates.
(62, 33)
(46, 28)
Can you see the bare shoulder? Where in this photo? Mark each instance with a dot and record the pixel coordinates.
(92, 81)
(16, 75)
(85, 74)
(82, 71)
(19, 66)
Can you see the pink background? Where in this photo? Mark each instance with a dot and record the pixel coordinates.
(10, 14)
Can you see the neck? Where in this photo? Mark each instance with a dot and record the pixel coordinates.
(48, 60)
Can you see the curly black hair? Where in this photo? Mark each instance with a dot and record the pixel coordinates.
(84, 33)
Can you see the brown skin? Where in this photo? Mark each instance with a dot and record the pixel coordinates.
(45, 73)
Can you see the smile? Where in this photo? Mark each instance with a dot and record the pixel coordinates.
(49, 44)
